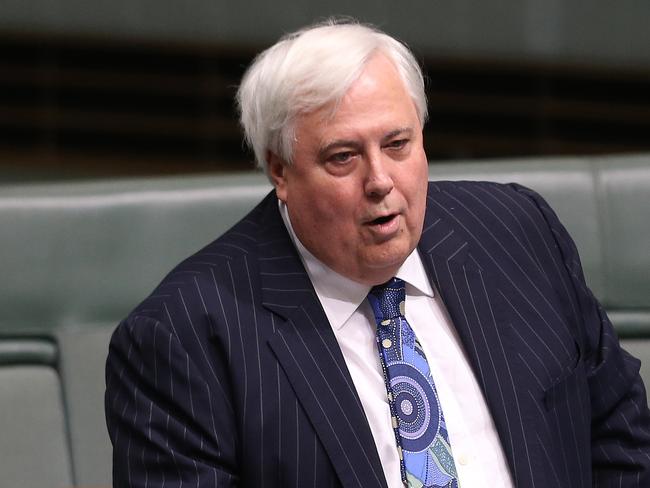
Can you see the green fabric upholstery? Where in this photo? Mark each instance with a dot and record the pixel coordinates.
(27, 351)
(83, 353)
(88, 252)
(34, 449)
(625, 205)
(76, 257)
(640, 348)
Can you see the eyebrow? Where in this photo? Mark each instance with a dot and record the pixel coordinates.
(397, 132)
(354, 144)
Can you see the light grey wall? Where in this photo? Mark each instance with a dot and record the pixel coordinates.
(589, 31)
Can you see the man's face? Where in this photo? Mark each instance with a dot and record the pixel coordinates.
(356, 191)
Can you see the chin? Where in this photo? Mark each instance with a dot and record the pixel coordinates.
(385, 264)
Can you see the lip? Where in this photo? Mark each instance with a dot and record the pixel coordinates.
(385, 229)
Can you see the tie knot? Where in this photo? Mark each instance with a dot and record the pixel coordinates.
(387, 300)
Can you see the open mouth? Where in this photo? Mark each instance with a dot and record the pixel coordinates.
(382, 220)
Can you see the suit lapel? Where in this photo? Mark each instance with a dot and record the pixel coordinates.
(307, 350)
(474, 301)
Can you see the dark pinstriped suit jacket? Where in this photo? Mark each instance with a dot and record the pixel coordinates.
(230, 375)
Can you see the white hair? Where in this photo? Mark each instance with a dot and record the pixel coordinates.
(309, 69)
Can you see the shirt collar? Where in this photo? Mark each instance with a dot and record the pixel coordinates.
(341, 296)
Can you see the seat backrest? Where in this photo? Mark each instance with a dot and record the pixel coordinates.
(76, 258)
(85, 253)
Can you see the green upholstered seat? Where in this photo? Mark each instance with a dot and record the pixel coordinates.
(34, 449)
(88, 252)
(624, 192)
(76, 258)
(83, 353)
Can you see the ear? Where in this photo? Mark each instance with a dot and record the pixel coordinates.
(277, 168)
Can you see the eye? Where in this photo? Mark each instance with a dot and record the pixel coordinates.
(340, 157)
(397, 144)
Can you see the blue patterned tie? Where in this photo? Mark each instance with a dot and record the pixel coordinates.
(420, 429)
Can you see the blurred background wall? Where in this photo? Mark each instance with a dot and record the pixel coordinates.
(121, 87)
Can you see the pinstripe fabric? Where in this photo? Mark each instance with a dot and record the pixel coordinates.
(230, 375)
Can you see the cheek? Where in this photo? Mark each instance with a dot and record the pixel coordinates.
(335, 202)
(420, 207)
(417, 199)
(325, 213)
(336, 227)
(337, 218)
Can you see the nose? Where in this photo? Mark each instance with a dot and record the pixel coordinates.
(379, 181)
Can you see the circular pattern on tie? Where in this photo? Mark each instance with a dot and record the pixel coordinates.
(406, 406)
(417, 406)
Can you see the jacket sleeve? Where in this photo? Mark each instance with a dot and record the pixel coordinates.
(170, 422)
(620, 420)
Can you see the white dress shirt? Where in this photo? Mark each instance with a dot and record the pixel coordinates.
(476, 448)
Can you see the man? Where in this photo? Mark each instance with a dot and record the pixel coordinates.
(279, 356)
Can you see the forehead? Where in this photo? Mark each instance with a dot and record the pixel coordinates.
(377, 101)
